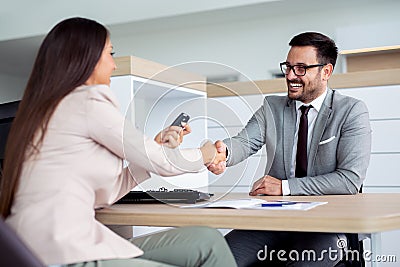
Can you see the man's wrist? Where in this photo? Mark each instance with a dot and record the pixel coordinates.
(285, 188)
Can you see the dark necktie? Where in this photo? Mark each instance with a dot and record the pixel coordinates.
(301, 157)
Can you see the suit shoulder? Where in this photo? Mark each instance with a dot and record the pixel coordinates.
(275, 99)
(275, 103)
(341, 99)
(345, 102)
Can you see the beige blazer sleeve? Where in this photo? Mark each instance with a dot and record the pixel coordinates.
(108, 127)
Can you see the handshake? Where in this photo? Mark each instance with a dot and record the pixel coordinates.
(214, 155)
(217, 164)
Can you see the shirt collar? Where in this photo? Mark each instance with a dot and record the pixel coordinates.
(316, 103)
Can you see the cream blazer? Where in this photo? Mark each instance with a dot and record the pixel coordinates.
(79, 168)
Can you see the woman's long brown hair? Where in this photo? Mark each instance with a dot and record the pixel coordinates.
(66, 59)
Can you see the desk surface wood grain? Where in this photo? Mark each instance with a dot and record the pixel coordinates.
(362, 213)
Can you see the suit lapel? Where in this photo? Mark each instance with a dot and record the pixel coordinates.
(319, 127)
(289, 130)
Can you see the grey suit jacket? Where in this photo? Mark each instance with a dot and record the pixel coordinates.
(339, 151)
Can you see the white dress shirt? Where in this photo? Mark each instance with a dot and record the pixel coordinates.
(312, 115)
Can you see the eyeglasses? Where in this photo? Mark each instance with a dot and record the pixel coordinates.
(299, 70)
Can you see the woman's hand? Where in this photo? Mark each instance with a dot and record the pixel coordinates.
(220, 167)
(212, 154)
(172, 136)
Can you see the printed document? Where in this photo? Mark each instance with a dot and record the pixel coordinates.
(256, 203)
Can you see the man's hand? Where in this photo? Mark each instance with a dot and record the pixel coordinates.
(220, 167)
(212, 154)
(267, 185)
(172, 136)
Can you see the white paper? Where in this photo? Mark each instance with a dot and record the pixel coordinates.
(256, 203)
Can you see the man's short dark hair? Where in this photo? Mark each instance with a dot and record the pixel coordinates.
(327, 51)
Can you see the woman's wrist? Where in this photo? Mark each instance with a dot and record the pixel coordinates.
(208, 152)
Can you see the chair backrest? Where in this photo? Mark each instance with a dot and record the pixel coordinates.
(13, 252)
(353, 244)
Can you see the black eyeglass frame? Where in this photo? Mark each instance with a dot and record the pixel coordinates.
(305, 67)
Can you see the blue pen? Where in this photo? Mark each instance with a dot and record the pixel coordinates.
(278, 204)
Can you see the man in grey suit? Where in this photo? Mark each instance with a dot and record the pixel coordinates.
(321, 148)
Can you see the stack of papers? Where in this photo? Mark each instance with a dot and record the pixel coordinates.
(256, 203)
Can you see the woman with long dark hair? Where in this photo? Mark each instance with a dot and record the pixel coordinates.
(64, 158)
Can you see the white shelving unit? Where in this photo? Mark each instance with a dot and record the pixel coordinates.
(151, 95)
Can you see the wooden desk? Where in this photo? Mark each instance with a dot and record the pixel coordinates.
(362, 213)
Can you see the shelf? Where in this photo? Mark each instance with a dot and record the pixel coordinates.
(130, 65)
(375, 58)
(370, 50)
(337, 81)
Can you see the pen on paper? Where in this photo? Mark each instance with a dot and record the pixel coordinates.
(278, 204)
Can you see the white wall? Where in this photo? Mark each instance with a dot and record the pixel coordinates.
(255, 46)
(21, 18)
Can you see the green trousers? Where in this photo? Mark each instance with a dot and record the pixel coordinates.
(184, 247)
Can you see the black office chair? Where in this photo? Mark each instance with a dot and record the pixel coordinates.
(354, 244)
(14, 253)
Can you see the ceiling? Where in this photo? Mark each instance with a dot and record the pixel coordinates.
(23, 24)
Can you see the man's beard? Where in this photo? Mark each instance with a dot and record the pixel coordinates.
(307, 94)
